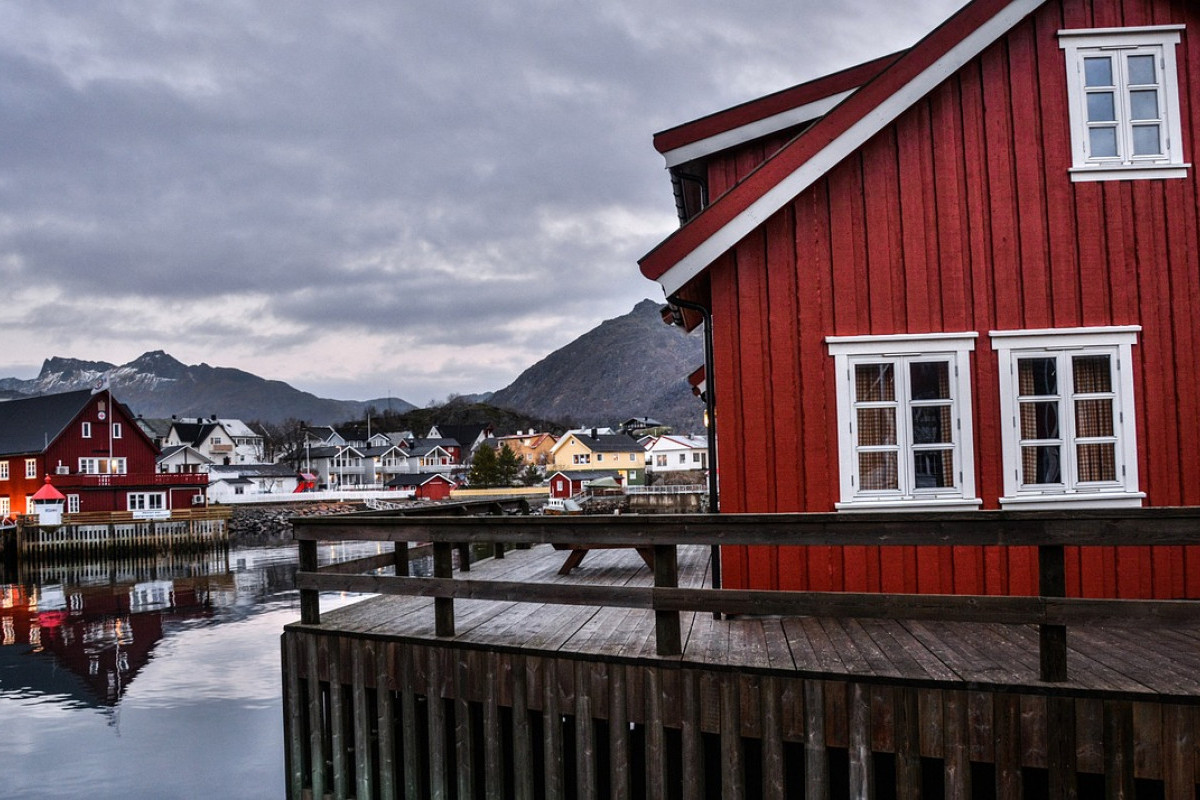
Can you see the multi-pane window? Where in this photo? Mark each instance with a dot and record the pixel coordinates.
(116, 430)
(3, 470)
(1067, 404)
(904, 420)
(73, 504)
(146, 501)
(85, 430)
(102, 466)
(5, 507)
(31, 470)
(1124, 102)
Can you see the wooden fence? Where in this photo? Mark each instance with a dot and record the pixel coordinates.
(120, 531)
(1050, 532)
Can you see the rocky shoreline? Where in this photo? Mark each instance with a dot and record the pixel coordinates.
(261, 525)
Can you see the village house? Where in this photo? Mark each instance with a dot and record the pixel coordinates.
(94, 453)
(963, 276)
(675, 453)
(435, 486)
(237, 480)
(222, 441)
(531, 447)
(591, 450)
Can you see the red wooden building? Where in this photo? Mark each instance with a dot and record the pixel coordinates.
(964, 276)
(94, 453)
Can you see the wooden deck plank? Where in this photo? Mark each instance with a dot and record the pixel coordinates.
(1101, 658)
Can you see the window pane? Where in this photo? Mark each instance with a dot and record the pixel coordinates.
(876, 426)
(1097, 462)
(930, 380)
(931, 425)
(874, 383)
(1038, 376)
(1103, 142)
(1039, 420)
(1146, 141)
(1093, 418)
(1091, 374)
(1141, 70)
(1142, 105)
(1098, 72)
(934, 469)
(1102, 107)
(878, 471)
(1040, 464)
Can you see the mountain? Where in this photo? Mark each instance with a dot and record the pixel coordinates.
(157, 385)
(630, 366)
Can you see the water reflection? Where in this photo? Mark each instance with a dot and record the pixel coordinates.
(150, 677)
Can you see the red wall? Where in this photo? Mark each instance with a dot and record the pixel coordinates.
(961, 216)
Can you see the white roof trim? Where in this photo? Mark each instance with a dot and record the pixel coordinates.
(754, 130)
(851, 139)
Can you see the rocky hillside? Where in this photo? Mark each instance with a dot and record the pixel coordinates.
(157, 385)
(631, 366)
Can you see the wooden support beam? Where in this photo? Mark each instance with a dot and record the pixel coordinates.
(1052, 639)
(443, 607)
(666, 623)
(310, 602)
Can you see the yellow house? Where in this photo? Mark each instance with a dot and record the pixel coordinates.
(531, 447)
(590, 450)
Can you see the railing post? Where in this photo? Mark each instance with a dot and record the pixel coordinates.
(400, 560)
(310, 601)
(1052, 639)
(443, 607)
(666, 623)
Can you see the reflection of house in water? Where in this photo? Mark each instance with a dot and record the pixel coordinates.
(99, 636)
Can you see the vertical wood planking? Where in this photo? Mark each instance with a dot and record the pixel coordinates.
(733, 784)
(552, 732)
(956, 750)
(773, 767)
(692, 739)
(816, 762)
(385, 710)
(618, 734)
(443, 607)
(1118, 750)
(1060, 751)
(1179, 752)
(439, 777)
(1006, 735)
(493, 736)
(293, 716)
(316, 717)
(464, 727)
(522, 736)
(410, 753)
(908, 743)
(337, 720)
(862, 775)
(585, 744)
(656, 740)
(361, 654)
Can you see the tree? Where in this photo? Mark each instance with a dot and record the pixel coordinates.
(485, 469)
(508, 464)
(530, 476)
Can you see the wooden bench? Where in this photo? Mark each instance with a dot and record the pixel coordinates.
(579, 551)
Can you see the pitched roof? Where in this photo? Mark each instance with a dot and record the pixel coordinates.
(29, 425)
(689, 251)
(765, 115)
(601, 442)
(586, 474)
(418, 479)
(193, 433)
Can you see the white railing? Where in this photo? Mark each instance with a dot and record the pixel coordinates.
(689, 488)
(334, 495)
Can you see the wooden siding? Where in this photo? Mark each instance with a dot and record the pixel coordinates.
(961, 216)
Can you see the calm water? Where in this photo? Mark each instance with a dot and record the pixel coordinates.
(147, 680)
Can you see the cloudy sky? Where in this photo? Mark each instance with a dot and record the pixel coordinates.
(406, 198)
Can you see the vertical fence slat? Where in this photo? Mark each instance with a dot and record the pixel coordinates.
(1118, 750)
(618, 734)
(386, 720)
(316, 717)
(439, 780)
(733, 781)
(816, 762)
(293, 717)
(337, 720)
(692, 737)
(1006, 737)
(493, 736)
(410, 737)
(361, 654)
(862, 774)
(656, 746)
(443, 607)
(552, 732)
(585, 745)
(522, 735)
(464, 729)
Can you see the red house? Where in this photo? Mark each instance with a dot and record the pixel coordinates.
(965, 276)
(94, 452)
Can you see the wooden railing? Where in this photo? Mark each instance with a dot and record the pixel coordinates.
(1048, 531)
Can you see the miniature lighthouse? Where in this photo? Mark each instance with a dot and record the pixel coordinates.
(48, 504)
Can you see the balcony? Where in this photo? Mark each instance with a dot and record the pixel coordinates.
(133, 479)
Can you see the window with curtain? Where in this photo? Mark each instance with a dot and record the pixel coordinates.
(904, 424)
(1069, 397)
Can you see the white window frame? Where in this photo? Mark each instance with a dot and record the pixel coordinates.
(5, 506)
(85, 430)
(146, 501)
(956, 348)
(73, 504)
(91, 466)
(1116, 341)
(31, 470)
(116, 430)
(3, 470)
(1160, 41)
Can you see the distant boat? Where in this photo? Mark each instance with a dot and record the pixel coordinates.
(562, 505)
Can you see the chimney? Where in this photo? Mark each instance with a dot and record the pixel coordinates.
(594, 433)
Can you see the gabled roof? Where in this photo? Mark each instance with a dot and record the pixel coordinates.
(586, 474)
(253, 470)
(192, 454)
(30, 425)
(690, 250)
(763, 116)
(194, 433)
(601, 442)
(418, 479)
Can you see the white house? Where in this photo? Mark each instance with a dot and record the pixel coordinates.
(673, 453)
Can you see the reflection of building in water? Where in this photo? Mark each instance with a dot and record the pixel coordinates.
(100, 636)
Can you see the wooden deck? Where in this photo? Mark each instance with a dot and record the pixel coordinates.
(1110, 661)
